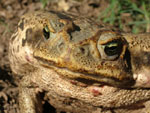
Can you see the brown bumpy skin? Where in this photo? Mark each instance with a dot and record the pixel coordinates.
(79, 65)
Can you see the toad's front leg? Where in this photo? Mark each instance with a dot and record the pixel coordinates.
(29, 101)
(29, 98)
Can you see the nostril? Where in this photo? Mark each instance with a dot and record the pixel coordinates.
(82, 50)
(145, 58)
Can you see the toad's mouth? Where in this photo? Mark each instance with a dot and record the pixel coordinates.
(85, 77)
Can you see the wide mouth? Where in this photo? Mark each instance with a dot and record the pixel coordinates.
(85, 78)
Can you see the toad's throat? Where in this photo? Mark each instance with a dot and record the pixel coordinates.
(76, 75)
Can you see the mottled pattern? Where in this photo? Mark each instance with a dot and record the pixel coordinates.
(80, 67)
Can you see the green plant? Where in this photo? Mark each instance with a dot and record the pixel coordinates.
(3, 23)
(138, 10)
(44, 2)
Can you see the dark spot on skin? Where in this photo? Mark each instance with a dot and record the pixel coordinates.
(28, 36)
(21, 25)
(28, 32)
(33, 37)
(23, 42)
(75, 29)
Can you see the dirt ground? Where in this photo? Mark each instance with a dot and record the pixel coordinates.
(10, 11)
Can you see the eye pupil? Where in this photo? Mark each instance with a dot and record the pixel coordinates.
(112, 48)
(46, 32)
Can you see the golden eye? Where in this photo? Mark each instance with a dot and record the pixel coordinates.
(112, 48)
(46, 32)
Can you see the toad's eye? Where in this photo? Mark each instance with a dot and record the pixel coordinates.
(112, 48)
(46, 32)
(110, 45)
